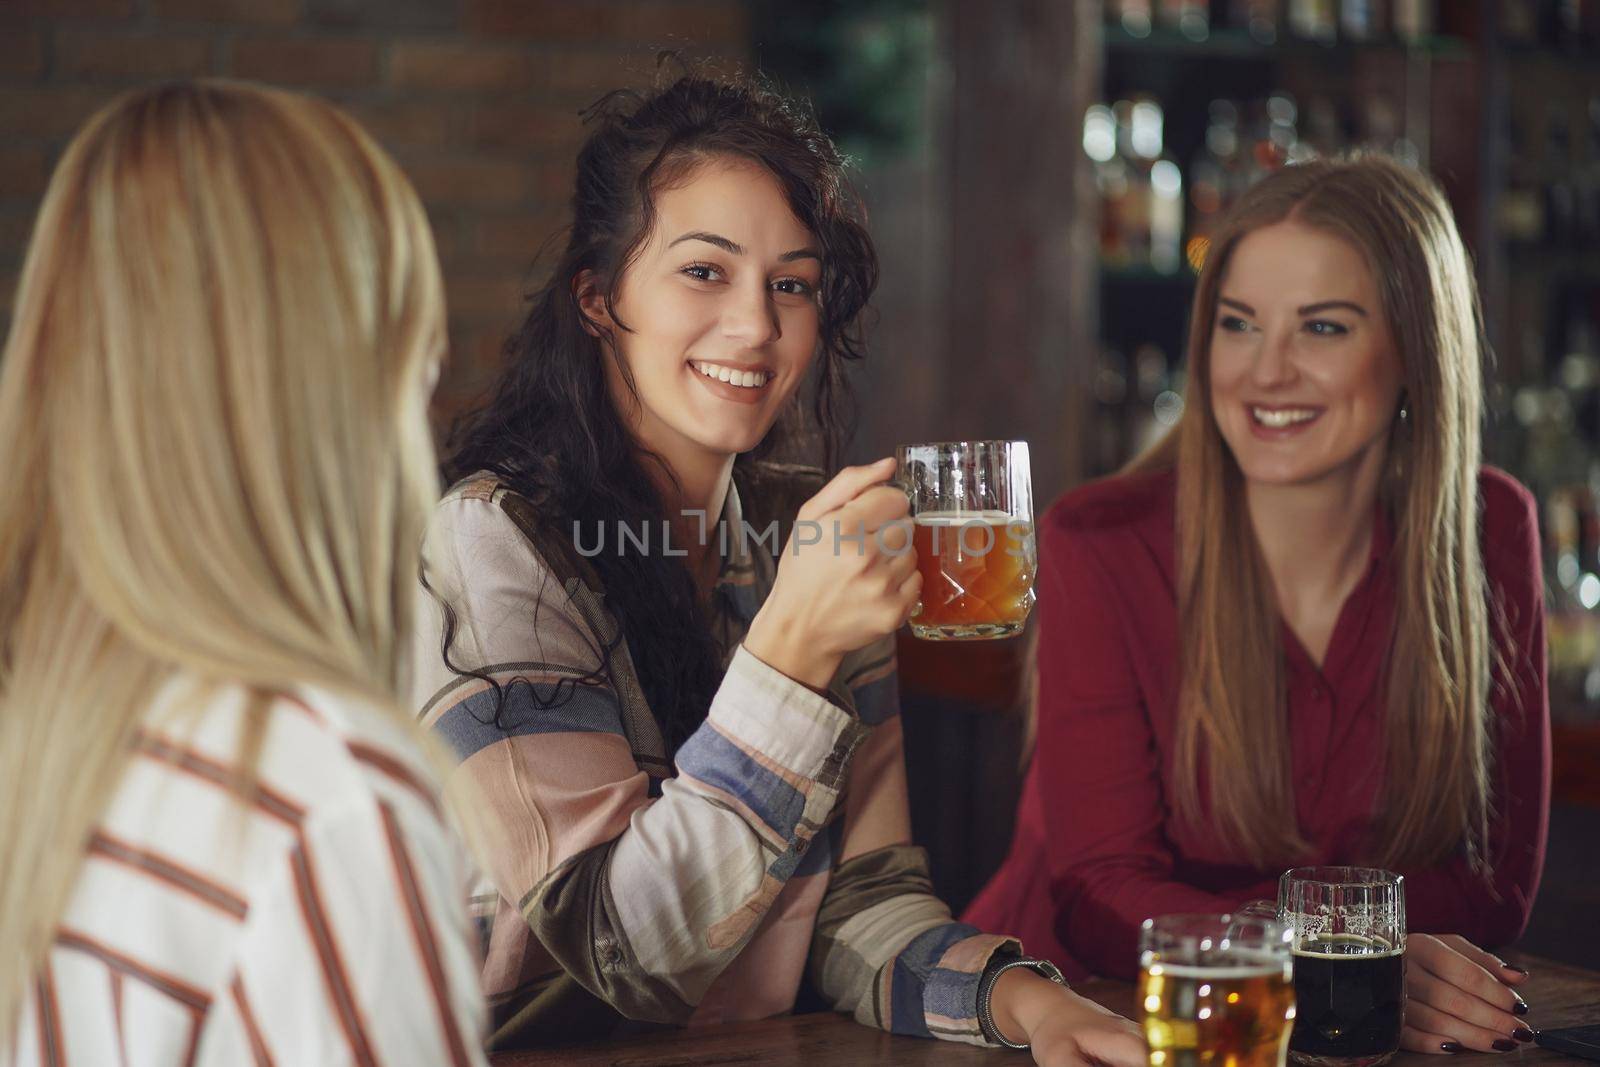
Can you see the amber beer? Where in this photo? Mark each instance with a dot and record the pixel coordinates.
(977, 574)
(1227, 1016)
(1216, 990)
(972, 506)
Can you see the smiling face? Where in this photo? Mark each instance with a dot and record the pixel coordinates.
(722, 314)
(1305, 377)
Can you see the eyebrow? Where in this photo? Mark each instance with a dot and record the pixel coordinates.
(1308, 309)
(1329, 305)
(734, 248)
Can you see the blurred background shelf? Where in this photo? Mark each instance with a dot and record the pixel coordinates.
(1237, 44)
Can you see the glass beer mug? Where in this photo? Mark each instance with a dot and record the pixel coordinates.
(1349, 931)
(972, 506)
(1215, 990)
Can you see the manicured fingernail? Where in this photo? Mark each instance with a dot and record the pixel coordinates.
(1502, 1045)
(1514, 969)
(1520, 1007)
(1523, 1034)
(1451, 1047)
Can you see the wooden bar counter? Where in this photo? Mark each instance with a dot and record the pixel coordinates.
(1559, 995)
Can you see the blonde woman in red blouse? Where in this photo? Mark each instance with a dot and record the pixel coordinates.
(1308, 627)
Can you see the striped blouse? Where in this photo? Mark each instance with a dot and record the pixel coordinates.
(323, 921)
(627, 888)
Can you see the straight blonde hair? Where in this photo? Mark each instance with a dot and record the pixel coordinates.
(213, 411)
(1233, 715)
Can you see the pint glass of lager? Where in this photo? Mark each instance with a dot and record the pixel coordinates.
(1215, 990)
(1348, 926)
(972, 506)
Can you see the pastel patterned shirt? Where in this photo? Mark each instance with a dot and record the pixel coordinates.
(626, 887)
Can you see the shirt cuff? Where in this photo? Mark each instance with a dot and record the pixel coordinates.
(763, 710)
(933, 991)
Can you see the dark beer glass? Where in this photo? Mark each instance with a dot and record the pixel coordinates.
(1348, 927)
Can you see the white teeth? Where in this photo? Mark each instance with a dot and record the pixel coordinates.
(748, 379)
(1282, 417)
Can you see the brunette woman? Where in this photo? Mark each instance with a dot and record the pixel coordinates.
(688, 750)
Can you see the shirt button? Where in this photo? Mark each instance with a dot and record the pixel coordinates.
(1318, 693)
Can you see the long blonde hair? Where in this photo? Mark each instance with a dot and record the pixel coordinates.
(1232, 699)
(213, 413)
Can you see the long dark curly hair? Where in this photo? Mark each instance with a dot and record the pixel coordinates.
(550, 430)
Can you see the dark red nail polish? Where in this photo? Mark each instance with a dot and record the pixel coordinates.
(1513, 967)
(1451, 1047)
(1520, 1007)
(1522, 1033)
(1503, 1045)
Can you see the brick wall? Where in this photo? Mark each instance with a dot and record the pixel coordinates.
(478, 99)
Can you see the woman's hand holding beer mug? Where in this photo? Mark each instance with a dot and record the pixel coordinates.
(1459, 998)
(847, 578)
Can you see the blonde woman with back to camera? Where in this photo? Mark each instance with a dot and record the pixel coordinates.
(223, 843)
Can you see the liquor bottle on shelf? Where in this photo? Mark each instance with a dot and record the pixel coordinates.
(1133, 214)
(1164, 183)
(1157, 233)
(1413, 20)
(1462, 22)
(1113, 181)
(1585, 699)
(1579, 370)
(1382, 131)
(1192, 18)
(1587, 177)
(1214, 179)
(1134, 16)
(1519, 22)
(1561, 528)
(1259, 18)
(1560, 196)
(1589, 531)
(1567, 624)
(1314, 20)
(1166, 215)
(1567, 29)
(1323, 132)
(1274, 141)
(1362, 20)
(1520, 213)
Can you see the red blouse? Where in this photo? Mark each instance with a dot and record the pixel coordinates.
(1097, 848)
